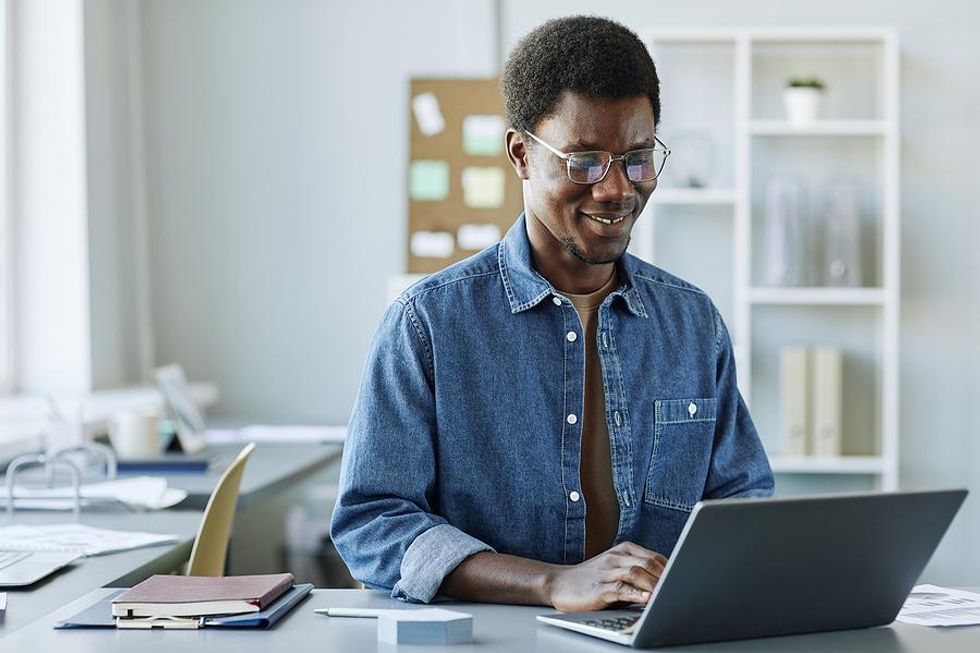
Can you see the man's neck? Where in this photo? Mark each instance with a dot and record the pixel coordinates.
(562, 269)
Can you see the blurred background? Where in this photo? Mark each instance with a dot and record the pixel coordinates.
(240, 187)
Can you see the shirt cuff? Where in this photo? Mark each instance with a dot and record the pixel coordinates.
(430, 558)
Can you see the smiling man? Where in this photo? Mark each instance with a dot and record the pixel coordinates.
(536, 423)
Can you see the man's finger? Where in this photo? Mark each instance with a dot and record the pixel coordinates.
(623, 592)
(638, 551)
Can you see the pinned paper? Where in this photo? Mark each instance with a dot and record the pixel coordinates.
(428, 180)
(477, 236)
(483, 187)
(432, 244)
(483, 135)
(428, 115)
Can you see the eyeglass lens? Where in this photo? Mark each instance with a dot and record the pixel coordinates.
(590, 167)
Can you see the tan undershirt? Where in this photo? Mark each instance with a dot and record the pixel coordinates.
(601, 503)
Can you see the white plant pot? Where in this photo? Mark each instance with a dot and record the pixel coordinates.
(804, 105)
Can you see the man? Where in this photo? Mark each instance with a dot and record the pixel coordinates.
(535, 423)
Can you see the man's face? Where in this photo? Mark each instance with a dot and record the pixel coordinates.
(574, 219)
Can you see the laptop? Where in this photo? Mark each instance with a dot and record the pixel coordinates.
(746, 568)
(20, 568)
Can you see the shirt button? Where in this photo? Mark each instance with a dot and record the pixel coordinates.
(571, 336)
(556, 300)
(572, 418)
(693, 408)
(574, 496)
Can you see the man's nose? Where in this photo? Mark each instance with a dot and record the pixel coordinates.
(615, 186)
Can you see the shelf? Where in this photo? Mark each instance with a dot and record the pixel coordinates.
(828, 465)
(693, 196)
(821, 128)
(818, 296)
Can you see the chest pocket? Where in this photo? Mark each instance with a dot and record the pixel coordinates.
(683, 434)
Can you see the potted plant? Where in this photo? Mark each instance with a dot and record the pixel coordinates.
(803, 98)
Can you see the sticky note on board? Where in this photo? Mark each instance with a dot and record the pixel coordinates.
(428, 180)
(432, 244)
(428, 115)
(483, 135)
(483, 187)
(477, 236)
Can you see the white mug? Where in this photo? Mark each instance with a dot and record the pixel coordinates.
(134, 434)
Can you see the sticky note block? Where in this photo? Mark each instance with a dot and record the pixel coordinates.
(428, 115)
(426, 626)
(428, 180)
(483, 135)
(477, 236)
(432, 244)
(483, 187)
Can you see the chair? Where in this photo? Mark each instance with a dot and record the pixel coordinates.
(211, 544)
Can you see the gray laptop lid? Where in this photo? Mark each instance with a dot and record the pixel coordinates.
(755, 568)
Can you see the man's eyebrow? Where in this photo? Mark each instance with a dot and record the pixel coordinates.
(588, 146)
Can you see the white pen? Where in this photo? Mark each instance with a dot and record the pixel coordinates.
(366, 613)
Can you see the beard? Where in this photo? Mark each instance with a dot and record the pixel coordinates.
(572, 248)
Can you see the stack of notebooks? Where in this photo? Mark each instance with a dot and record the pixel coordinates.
(196, 602)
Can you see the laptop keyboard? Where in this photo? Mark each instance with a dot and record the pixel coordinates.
(8, 558)
(617, 624)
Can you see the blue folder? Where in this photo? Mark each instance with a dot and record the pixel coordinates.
(99, 615)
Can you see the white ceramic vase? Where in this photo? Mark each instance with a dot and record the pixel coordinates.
(804, 104)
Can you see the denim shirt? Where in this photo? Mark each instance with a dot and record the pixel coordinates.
(465, 435)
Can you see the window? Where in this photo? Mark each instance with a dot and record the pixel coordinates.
(6, 249)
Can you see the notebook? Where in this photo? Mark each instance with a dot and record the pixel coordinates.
(99, 615)
(199, 596)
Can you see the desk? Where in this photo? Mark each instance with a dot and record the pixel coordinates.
(124, 568)
(497, 629)
(276, 478)
(272, 470)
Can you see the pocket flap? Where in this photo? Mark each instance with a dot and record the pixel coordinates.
(670, 411)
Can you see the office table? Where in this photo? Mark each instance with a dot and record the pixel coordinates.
(276, 478)
(124, 568)
(272, 470)
(497, 629)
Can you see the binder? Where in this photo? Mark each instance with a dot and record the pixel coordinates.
(793, 383)
(827, 377)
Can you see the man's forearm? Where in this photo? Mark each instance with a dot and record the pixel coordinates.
(499, 578)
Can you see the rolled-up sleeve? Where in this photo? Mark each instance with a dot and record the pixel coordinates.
(384, 524)
(739, 465)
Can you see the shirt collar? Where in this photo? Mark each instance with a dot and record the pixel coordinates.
(526, 288)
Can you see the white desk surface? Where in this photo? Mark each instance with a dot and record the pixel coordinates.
(497, 629)
(125, 568)
(271, 469)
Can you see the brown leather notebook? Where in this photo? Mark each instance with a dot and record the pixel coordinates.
(195, 596)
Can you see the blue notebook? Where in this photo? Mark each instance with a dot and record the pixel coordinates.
(99, 615)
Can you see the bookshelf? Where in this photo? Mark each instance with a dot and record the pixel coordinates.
(724, 85)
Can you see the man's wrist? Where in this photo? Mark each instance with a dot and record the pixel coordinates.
(545, 583)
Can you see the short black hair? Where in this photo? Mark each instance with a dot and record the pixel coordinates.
(593, 56)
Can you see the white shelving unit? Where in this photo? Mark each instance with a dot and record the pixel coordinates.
(727, 83)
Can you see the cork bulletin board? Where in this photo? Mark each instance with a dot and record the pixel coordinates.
(463, 194)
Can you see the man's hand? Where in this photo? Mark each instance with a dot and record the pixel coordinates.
(626, 573)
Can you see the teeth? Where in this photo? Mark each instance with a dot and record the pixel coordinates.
(606, 220)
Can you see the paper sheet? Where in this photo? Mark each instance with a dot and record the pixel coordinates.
(930, 605)
(477, 236)
(75, 538)
(432, 244)
(483, 135)
(483, 187)
(428, 115)
(145, 492)
(428, 180)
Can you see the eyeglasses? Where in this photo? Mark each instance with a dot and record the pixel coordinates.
(644, 164)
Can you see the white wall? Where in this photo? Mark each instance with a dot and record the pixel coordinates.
(276, 142)
(271, 238)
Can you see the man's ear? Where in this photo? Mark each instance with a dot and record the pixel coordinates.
(517, 152)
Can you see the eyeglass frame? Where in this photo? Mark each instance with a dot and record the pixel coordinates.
(566, 157)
